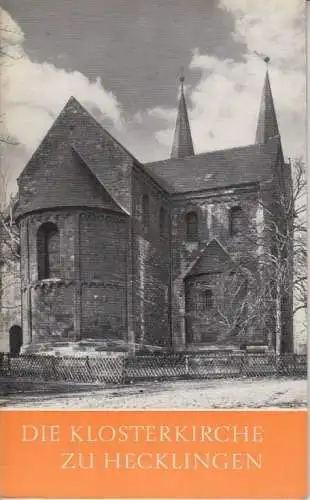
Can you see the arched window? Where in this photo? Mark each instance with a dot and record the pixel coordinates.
(235, 220)
(204, 301)
(48, 244)
(145, 213)
(162, 222)
(191, 226)
(208, 299)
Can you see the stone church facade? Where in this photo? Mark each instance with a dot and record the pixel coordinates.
(143, 256)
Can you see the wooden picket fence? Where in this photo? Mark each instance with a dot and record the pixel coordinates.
(124, 369)
(66, 368)
(215, 365)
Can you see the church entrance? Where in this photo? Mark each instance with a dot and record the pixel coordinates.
(16, 340)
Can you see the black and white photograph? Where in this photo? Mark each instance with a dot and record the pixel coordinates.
(153, 204)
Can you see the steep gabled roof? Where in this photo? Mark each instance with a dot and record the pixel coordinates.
(217, 169)
(105, 157)
(110, 202)
(211, 258)
(68, 122)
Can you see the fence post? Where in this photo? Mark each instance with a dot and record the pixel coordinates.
(123, 373)
(242, 364)
(186, 365)
(89, 370)
(54, 363)
(278, 364)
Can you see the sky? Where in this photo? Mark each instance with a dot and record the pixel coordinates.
(121, 59)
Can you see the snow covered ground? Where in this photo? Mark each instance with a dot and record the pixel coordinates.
(232, 393)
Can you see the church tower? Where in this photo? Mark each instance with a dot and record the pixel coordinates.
(182, 142)
(279, 222)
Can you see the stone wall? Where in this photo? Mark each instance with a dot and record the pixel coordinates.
(103, 273)
(88, 299)
(151, 264)
(213, 211)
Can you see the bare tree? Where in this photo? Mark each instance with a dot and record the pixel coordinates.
(239, 302)
(9, 256)
(257, 295)
(300, 236)
(284, 256)
(10, 51)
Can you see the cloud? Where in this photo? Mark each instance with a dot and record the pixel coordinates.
(33, 94)
(277, 27)
(224, 103)
(11, 38)
(163, 113)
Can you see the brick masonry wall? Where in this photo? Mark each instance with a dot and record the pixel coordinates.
(48, 302)
(151, 265)
(103, 272)
(88, 299)
(52, 312)
(213, 217)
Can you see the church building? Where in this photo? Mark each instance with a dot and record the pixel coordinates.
(174, 254)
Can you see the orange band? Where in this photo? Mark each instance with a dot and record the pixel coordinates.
(133, 454)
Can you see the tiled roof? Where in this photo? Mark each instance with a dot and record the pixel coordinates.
(227, 167)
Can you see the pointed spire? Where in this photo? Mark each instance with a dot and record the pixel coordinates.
(182, 142)
(267, 125)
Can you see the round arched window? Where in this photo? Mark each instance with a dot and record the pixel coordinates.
(191, 226)
(48, 245)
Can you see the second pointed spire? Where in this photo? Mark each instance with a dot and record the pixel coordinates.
(182, 142)
(267, 126)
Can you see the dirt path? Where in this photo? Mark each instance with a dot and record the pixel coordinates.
(232, 393)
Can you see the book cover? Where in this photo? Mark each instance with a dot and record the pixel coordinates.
(153, 249)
